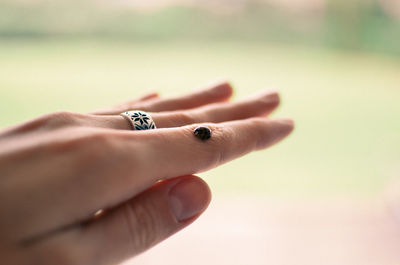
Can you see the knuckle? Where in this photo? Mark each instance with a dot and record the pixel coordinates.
(223, 138)
(61, 118)
(56, 120)
(49, 121)
(96, 146)
(217, 149)
(183, 118)
(86, 146)
(142, 225)
(99, 138)
(260, 134)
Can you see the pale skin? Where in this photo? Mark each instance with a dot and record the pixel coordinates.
(58, 170)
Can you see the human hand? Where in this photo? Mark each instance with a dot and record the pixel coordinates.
(58, 170)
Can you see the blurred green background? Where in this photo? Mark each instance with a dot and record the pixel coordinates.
(336, 64)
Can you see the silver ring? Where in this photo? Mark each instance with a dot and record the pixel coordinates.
(139, 120)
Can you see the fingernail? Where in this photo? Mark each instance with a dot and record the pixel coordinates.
(221, 89)
(282, 128)
(270, 96)
(188, 198)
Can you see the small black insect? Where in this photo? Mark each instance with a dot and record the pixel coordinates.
(203, 133)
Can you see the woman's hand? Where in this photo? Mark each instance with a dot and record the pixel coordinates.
(60, 169)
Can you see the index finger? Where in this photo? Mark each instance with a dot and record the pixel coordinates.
(176, 151)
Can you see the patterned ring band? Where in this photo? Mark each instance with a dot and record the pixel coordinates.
(139, 120)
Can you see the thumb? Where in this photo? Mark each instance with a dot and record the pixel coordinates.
(145, 220)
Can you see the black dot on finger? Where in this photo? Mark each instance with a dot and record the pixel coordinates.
(203, 133)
